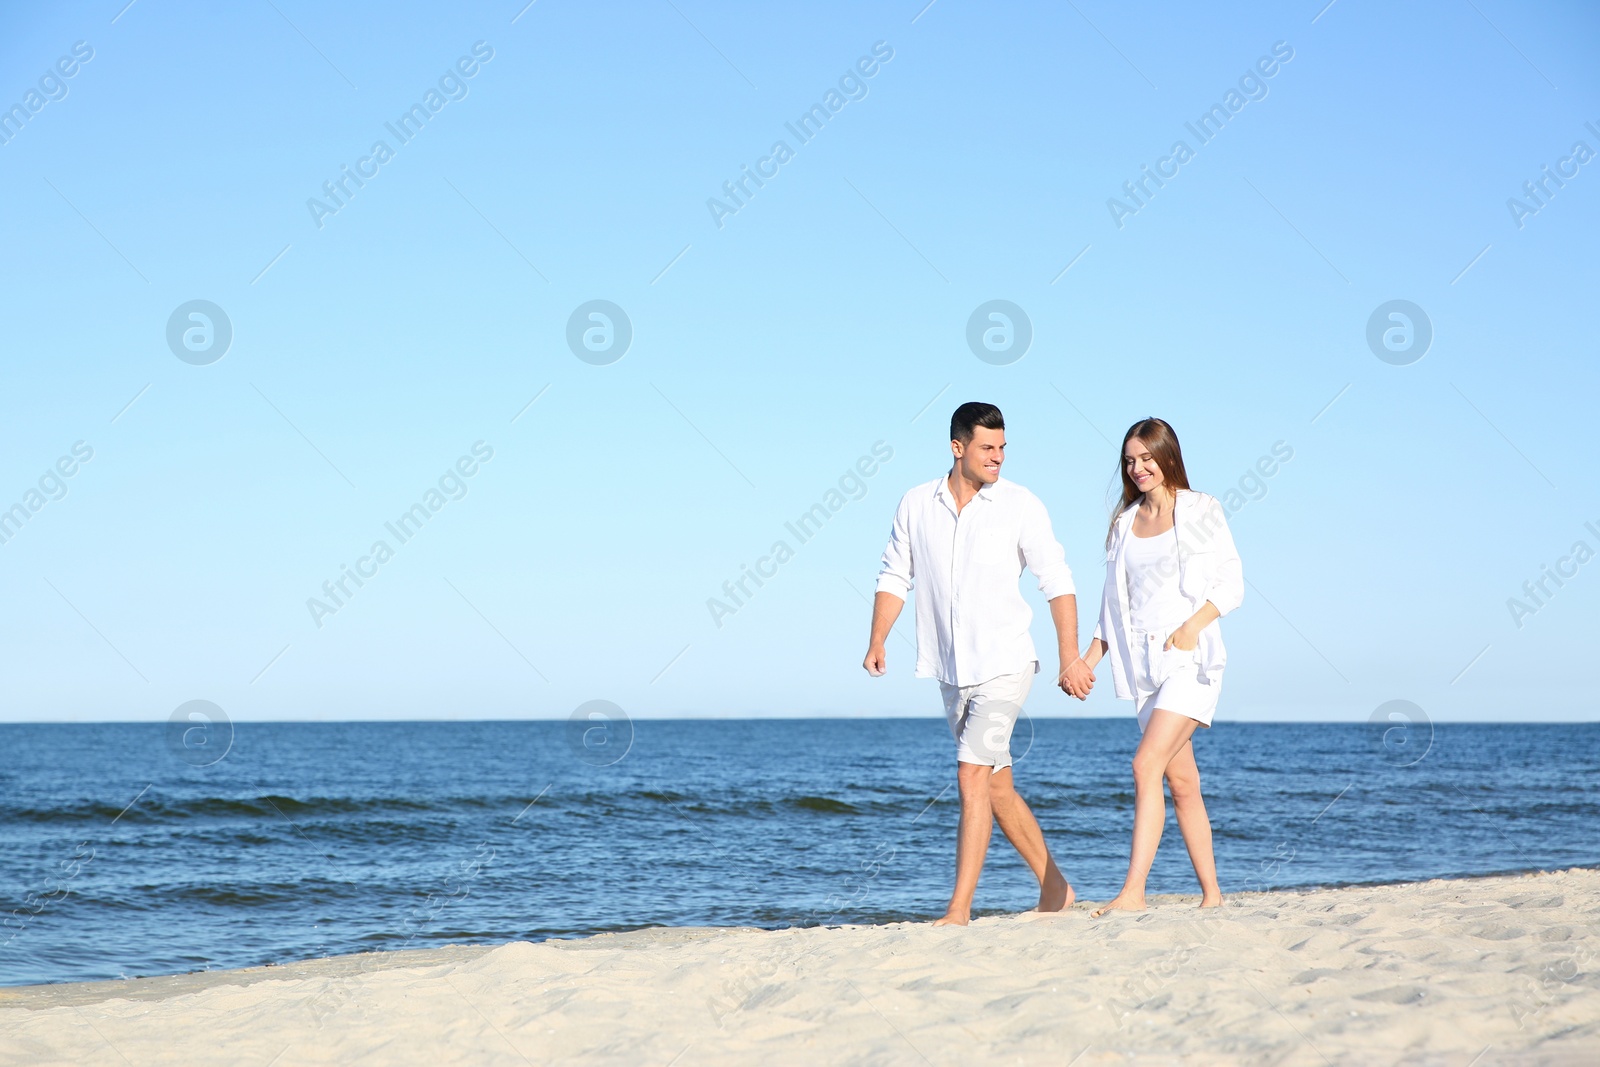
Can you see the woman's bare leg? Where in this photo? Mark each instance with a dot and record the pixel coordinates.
(1183, 779)
(1164, 736)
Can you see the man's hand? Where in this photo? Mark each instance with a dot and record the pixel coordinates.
(1077, 679)
(1064, 613)
(885, 609)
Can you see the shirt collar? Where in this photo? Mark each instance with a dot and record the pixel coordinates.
(942, 491)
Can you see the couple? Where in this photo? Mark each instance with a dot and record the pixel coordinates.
(1171, 572)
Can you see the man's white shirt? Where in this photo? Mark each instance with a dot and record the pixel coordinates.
(972, 623)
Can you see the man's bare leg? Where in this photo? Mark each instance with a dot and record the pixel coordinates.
(1022, 830)
(972, 840)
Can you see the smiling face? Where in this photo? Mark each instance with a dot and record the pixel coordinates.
(1139, 465)
(1151, 462)
(978, 460)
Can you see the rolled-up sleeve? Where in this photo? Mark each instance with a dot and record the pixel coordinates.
(1227, 582)
(1043, 553)
(898, 569)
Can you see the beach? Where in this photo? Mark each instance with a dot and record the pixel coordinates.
(1481, 971)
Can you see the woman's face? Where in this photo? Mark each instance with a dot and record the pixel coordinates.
(1141, 466)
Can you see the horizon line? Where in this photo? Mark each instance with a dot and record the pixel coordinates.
(648, 717)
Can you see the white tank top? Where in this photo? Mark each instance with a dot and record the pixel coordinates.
(1154, 602)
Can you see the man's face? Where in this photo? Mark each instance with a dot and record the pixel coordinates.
(979, 459)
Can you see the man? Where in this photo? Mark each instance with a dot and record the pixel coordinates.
(965, 537)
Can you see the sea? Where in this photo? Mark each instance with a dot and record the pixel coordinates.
(142, 849)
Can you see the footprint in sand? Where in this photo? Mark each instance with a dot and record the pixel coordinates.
(1498, 932)
(1400, 994)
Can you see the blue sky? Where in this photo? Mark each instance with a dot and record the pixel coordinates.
(370, 353)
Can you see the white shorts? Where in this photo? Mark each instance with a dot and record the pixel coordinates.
(982, 716)
(1169, 678)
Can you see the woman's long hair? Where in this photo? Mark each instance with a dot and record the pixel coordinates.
(1162, 441)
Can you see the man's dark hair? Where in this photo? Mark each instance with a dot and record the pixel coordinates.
(971, 415)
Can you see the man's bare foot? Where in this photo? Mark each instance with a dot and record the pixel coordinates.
(1121, 903)
(954, 918)
(1211, 900)
(1055, 894)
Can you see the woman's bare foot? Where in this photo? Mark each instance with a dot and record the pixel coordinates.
(1123, 902)
(1056, 894)
(1211, 900)
(954, 918)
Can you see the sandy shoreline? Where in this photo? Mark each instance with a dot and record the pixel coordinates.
(1505, 969)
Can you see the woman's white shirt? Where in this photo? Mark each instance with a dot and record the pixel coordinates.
(1209, 568)
(1154, 603)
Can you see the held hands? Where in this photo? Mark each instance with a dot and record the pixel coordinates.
(875, 663)
(1077, 679)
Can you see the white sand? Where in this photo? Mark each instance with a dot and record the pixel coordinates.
(1506, 970)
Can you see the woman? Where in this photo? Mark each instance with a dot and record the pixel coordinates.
(1171, 573)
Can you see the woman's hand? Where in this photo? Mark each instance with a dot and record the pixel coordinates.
(1185, 638)
(1077, 679)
